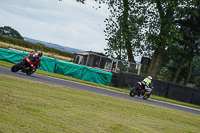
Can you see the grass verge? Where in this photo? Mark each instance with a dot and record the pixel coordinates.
(28, 106)
(125, 90)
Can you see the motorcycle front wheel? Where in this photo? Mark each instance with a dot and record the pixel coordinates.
(146, 95)
(133, 92)
(30, 71)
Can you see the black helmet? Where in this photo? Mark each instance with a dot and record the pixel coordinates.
(40, 53)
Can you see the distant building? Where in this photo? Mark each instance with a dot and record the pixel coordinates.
(102, 62)
(94, 59)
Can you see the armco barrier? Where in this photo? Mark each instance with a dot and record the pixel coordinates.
(161, 88)
(62, 67)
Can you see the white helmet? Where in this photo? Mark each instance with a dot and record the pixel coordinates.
(150, 77)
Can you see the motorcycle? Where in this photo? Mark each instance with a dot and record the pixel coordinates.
(139, 90)
(23, 66)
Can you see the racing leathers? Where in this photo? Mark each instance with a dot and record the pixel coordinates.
(34, 60)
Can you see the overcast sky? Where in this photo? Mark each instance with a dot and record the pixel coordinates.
(65, 22)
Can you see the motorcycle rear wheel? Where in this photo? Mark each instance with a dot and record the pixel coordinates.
(15, 67)
(133, 92)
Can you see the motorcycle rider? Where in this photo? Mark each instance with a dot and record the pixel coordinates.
(34, 60)
(146, 84)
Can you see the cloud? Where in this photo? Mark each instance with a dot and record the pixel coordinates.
(66, 22)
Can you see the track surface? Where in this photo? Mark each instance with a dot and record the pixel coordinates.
(66, 83)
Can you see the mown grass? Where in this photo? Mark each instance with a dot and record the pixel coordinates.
(28, 106)
(125, 90)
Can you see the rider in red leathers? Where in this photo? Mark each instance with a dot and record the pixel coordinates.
(34, 60)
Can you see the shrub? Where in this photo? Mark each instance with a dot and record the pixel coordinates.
(197, 81)
(35, 46)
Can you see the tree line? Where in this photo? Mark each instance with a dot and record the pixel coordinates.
(167, 30)
(35, 46)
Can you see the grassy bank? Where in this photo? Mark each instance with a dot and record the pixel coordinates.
(126, 90)
(47, 54)
(28, 106)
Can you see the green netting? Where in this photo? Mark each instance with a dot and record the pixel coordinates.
(48, 64)
(11, 56)
(62, 67)
(83, 72)
(69, 69)
(97, 76)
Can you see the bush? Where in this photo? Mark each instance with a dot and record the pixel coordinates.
(197, 81)
(35, 46)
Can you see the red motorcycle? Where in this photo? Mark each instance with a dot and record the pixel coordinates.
(139, 90)
(24, 66)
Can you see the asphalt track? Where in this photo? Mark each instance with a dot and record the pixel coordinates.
(66, 83)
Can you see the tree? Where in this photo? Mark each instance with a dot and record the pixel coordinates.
(192, 40)
(190, 28)
(187, 48)
(130, 19)
(157, 22)
(41, 44)
(8, 31)
(195, 77)
(196, 67)
(160, 39)
(123, 29)
(179, 68)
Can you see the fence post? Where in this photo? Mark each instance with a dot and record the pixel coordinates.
(192, 96)
(139, 69)
(55, 65)
(99, 62)
(166, 95)
(111, 66)
(116, 65)
(87, 59)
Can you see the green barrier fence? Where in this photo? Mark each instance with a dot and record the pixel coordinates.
(61, 67)
(94, 75)
(48, 64)
(69, 69)
(11, 56)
